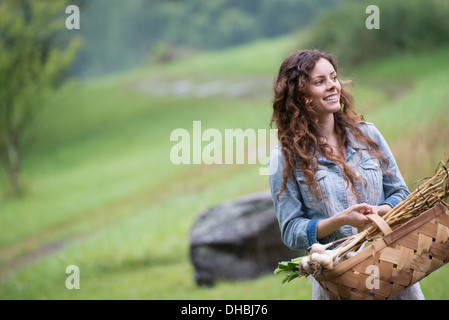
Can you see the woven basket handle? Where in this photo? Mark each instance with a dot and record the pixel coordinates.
(380, 222)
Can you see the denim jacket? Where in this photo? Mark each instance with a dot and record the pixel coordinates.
(298, 211)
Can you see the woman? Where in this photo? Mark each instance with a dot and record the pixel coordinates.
(330, 168)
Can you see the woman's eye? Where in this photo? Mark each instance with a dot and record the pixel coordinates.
(318, 82)
(334, 78)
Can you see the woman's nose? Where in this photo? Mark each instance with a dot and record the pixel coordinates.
(330, 84)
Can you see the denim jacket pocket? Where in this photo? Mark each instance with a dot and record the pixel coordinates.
(372, 173)
(320, 176)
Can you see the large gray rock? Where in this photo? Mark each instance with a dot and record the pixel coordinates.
(236, 240)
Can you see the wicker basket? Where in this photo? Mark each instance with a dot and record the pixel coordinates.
(403, 257)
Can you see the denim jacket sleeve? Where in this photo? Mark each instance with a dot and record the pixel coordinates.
(298, 232)
(394, 187)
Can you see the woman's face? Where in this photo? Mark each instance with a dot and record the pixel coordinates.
(324, 88)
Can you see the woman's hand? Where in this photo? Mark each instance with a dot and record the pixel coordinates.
(382, 209)
(354, 216)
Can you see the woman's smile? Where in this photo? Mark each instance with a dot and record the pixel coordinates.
(332, 98)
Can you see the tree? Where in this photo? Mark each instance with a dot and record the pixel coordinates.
(31, 67)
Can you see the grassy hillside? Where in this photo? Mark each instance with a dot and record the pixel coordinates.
(102, 193)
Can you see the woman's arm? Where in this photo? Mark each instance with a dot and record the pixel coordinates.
(353, 216)
(294, 225)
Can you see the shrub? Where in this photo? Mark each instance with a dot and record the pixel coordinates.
(405, 25)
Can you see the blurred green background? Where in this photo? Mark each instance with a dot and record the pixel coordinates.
(87, 115)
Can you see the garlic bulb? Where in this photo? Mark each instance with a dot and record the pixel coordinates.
(305, 265)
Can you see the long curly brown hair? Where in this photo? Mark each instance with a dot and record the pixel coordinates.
(297, 122)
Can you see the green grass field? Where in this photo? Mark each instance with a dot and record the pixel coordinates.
(102, 194)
